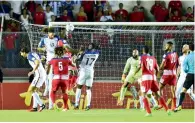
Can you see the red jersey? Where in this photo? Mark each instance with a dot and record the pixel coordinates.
(161, 14)
(81, 18)
(175, 5)
(122, 12)
(88, 6)
(60, 65)
(170, 61)
(176, 19)
(148, 64)
(65, 18)
(137, 17)
(10, 41)
(39, 18)
(154, 8)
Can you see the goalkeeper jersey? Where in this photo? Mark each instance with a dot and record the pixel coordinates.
(131, 65)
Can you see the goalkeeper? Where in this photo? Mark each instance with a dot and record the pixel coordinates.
(128, 74)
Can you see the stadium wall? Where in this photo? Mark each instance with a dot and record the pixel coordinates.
(104, 96)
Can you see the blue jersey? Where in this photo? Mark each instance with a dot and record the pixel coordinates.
(32, 57)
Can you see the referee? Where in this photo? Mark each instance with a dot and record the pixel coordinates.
(188, 67)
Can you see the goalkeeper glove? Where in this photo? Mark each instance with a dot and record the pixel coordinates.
(123, 78)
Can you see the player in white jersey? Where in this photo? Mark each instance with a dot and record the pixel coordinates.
(182, 76)
(39, 78)
(48, 44)
(86, 74)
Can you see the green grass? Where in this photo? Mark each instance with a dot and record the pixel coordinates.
(112, 115)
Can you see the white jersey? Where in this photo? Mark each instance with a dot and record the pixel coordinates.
(181, 60)
(50, 45)
(88, 60)
(32, 56)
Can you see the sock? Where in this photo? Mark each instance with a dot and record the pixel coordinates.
(50, 89)
(174, 103)
(147, 106)
(39, 101)
(153, 101)
(35, 104)
(46, 91)
(162, 102)
(88, 97)
(65, 100)
(182, 96)
(141, 102)
(122, 93)
(53, 96)
(77, 96)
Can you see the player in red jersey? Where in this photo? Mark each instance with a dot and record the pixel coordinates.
(169, 66)
(60, 75)
(150, 69)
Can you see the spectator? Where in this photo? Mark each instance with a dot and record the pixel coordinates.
(39, 16)
(176, 17)
(121, 14)
(155, 7)
(9, 46)
(81, 15)
(111, 13)
(5, 7)
(175, 5)
(140, 7)
(13, 26)
(106, 17)
(98, 14)
(106, 5)
(16, 7)
(189, 15)
(48, 14)
(53, 18)
(65, 16)
(25, 17)
(31, 7)
(88, 8)
(161, 14)
(136, 15)
(69, 6)
(44, 4)
(98, 5)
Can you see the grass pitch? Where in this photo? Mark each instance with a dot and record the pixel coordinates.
(95, 115)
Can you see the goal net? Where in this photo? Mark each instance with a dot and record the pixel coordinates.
(116, 41)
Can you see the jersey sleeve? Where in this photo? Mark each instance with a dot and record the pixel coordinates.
(127, 66)
(31, 57)
(42, 43)
(164, 57)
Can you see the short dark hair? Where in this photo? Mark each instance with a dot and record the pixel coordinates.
(191, 46)
(51, 30)
(146, 49)
(170, 43)
(25, 49)
(59, 51)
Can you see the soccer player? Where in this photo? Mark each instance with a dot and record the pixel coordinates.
(60, 78)
(149, 66)
(48, 44)
(128, 77)
(86, 73)
(169, 66)
(180, 71)
(39, 78)
(188, 67)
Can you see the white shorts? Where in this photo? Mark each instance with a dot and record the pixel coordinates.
(85, 78)
(180, 83)
(38, 80)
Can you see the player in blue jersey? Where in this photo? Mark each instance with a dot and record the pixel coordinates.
(34, 60)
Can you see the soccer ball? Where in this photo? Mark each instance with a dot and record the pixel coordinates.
(69, 27)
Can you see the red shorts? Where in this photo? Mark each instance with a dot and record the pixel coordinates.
(149, 85)
(169, 79)
(56, 83)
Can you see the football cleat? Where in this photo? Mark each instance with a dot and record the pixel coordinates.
(87, 108)
(178, 109)
(76, 107)
(33, 110)
(168, 112)
(148, 115)
(41, 108)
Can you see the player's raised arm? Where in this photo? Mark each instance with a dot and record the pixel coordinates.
(41, 45)
(126, 69)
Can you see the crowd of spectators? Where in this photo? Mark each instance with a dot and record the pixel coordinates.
(43, 12)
